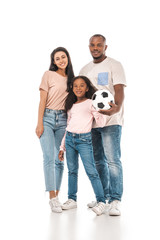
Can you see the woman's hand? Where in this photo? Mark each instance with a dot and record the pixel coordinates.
(61, 155)
(39, 130)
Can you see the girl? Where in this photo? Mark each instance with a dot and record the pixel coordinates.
(78, 140)
(52, 121)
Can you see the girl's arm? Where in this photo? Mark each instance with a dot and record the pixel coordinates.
(62, 147)
(99, 118)
(42, 105)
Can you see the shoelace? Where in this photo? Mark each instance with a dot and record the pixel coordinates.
(100, 206)
(114, 204)
(56, 203)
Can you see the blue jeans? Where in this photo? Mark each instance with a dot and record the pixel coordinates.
(54, 122)
(81, 144)
(107, 154)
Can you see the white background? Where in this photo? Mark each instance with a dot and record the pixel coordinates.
(30, 30)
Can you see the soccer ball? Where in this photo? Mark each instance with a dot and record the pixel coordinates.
(101, 98)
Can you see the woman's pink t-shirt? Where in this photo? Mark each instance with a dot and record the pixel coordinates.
(56, 86)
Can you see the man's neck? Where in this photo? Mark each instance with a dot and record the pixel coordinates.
(99, 60)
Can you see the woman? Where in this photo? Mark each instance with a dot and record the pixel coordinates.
(52, 121)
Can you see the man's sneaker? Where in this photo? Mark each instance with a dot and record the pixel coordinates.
(55, 205)
(115, 208)
(69, 204)
(92, 204)
(99, 208)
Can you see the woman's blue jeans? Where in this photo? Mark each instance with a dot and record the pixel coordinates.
(107, 154)
(81, 144)
(54, 122)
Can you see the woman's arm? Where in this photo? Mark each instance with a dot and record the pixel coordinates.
(42, 105)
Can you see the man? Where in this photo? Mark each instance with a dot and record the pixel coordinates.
(107, 73)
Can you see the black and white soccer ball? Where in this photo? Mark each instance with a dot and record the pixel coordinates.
(101, 98)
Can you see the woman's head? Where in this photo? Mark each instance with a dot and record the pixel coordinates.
(87, 90)
(56, 52)
(60, 58)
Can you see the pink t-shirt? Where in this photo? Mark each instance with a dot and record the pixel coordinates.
(80, 119)
(56, 86)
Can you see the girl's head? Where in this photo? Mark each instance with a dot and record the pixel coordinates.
(81, 88)
(60, 58)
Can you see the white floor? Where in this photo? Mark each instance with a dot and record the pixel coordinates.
(25, 213)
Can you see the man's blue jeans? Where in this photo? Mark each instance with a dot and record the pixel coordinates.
(54, 122)
(81, 144)
(107, 154)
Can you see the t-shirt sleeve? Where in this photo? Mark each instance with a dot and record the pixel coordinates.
(99, 118)
(62, 147)
(44, 83)
(81, 72)
(118, 75)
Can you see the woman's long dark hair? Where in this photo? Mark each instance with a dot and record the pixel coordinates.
(69, 68)
(71, 98)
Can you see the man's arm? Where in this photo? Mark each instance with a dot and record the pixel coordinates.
(118, 99)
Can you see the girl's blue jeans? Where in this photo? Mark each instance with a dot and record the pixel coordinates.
(54, 122)
(81, 144)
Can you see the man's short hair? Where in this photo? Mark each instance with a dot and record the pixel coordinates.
(98, 35)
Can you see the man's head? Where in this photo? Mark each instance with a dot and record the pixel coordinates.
(97, 46)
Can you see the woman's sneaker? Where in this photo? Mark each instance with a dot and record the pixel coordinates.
(55, 205)
(69, 204)
(115, 208)
(99, 208)
(92, 204)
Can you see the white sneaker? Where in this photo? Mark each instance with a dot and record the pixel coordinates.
(115, 208)
(92, 204)
(69, 204)
(99, 208)
(55, 205)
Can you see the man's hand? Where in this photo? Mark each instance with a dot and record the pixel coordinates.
(114, 109)
(61, 155)
(118, 98)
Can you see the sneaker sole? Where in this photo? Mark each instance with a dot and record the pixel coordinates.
(56, 211)
(115, 214)
(98, 214)
(91, 206)
(65, 208)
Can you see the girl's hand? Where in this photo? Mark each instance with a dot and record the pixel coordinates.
(39, 130)
(61, 155)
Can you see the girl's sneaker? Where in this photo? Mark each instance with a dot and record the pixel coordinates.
(92, 204)
(99, 208)
(55, 205)
(115, 208)
(69, 204)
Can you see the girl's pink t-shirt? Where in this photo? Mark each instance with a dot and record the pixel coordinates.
(80, 119)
